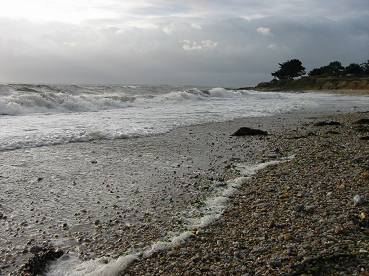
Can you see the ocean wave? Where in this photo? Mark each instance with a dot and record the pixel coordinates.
(28, 99)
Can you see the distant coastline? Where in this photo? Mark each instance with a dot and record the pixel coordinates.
(337, 84)
(333, 77)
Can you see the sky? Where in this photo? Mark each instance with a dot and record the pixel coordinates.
(193, 42)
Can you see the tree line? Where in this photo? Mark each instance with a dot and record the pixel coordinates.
(294, 68)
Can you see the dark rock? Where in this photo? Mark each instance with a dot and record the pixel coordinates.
(42, 256)
(364, 138)
(35, 249)
(246, 131)
(328, 123)
(300, 208)
(364, 121)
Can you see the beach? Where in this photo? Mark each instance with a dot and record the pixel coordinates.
(289, 216)
(108, 196)
(307, 216)
(193, 200)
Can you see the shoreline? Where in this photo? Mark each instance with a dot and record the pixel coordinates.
(195, 171)
(320, 83)
(347, 92)
(104, 197)
(307, 216)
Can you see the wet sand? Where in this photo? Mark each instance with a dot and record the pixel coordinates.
(104, 198)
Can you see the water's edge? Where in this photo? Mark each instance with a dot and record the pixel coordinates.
(70, 265)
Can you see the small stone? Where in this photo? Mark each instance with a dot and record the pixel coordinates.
(365, 175)
(358, 200)
(310, 208)
(285, 237)
(300, 208)
(362, 216)
(104, 261)
(275, 263)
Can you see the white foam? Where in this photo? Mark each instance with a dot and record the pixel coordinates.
(50, 115)
(213, 210)
(222, 92)
(28, 99)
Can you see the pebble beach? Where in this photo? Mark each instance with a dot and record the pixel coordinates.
(308, 216)
(305, 215)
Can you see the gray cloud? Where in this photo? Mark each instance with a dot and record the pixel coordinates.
(227, 43)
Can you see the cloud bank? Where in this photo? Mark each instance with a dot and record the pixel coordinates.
(227, 43)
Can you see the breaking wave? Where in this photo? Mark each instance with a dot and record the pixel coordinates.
(43, 115)
(18, 99)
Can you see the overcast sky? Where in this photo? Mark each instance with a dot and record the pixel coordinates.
(208, 42)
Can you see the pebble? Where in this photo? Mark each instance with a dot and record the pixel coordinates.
(359, 200)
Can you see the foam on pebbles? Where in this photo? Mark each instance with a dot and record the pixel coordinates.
(213, 209)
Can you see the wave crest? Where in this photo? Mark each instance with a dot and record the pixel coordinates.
(27, 99)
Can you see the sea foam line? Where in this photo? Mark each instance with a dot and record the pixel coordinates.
(214, 207)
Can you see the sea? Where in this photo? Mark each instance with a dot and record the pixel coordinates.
(42, 115)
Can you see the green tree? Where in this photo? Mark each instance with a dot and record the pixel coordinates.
(354, 69)
(317, 72)
(289, 70)
(365, 67)
(334, 68)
